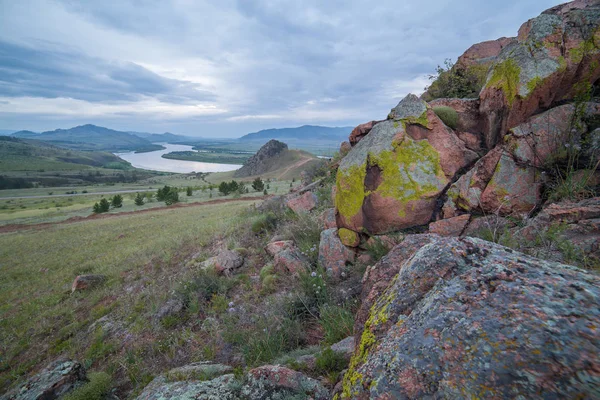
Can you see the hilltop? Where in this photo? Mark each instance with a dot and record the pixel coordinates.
(91, 137)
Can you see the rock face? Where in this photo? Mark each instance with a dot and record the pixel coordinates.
(484, 52)
(552, 54)
(390, 180)
(255, 164)
(85, 282)
(333, 255)
(56, 380)
(465, 318)
(358, 133)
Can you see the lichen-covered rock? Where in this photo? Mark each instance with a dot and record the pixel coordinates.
(275, 247)
(333, 255)
(224, 387)
(56, 380)
(303, 203)
(465, 318)
(484, 52)
(276, 382)
(290, 261)
(391, 179)
(85, 282)
(349, 238)
(361, 131)
(451, 226)
(553, 53)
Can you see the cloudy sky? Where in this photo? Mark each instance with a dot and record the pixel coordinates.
(224, 68)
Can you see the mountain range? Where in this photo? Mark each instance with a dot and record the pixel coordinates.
(305, 132)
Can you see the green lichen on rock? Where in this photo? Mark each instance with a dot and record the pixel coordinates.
(420, 120)
(533, 84)
(505, 76)
(409, 172)
(585, 48)
(350, 192)
(348, 237)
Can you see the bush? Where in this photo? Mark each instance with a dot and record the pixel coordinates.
(139, 199)
(189, 191)
(116, 201)
(96, 389)
(337, 323)
(448, 115)
(258, 185)
(102, 206)
(456, 81)
(168, 194)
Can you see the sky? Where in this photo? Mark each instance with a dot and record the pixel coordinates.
(224, 68)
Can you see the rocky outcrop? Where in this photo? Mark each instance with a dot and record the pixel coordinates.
(358, 133)
(256, 165)
(303, 203)
(56, 380)
(391, 179)
(465, 318)
(215, 381)
(553, 54)
(484, 52)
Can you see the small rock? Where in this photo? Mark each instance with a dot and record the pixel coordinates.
(84, 282)
(333, 255)
(172, 307)
(290, 260)
(349, 238)
(344, 346)
(303, 203)
(225, 262)
(284, 381)
(450, 227)
(275, 247)
(327, 219)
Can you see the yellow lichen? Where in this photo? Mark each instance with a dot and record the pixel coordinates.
(348, 237)
(350, 190)
(506, 76)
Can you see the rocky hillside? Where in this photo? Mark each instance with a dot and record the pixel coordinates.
(274, 159)
(451, 252)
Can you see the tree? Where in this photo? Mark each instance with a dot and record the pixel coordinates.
(241, 188)
(224, 188)
(233, 186)
(265, 192)
(139, 199)
(189, 191)
(456, 80)
(117, 201)
(102, 206)
(168, 194)
(258, 185)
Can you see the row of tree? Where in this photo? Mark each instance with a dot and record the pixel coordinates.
(226, 188)
(104, 205)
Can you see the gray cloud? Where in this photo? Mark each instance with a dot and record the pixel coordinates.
(260, 63)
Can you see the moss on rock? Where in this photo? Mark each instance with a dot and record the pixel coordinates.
(505, 76)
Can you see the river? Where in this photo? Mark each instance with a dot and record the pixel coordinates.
(153, 160)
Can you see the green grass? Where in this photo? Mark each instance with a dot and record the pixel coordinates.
(38, 267)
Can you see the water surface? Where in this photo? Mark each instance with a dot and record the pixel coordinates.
(153, 160)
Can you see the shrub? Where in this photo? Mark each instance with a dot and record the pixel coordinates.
(337, 322)
(258, 185)
(96, 389)
(448, 115)
(117, 201)
(264, 223)
(168, 194)
(456, 81)
(139, 199)
(102, 206)
(189, 191)
(330, 364)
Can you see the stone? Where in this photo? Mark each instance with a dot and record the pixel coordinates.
(225, 262)
(484, 52)
(349, 238)
(489, 225)
(303, 203)
(275, 247)
(172, 307)
(344, 346)
(345, 147)
(450, 227)
(285, 381)
(256, 164)
(53, 382)
(465, 318)
(327, 219)
(290, 261)
(391, 179)
(85, 282)
(333, 255)
(162, 388)
(203, 370)
(361, 131)
(553, 53)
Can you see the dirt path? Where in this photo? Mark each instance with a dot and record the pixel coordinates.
(43, 225)
(294, 165)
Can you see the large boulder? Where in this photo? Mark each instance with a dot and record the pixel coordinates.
(465, 318)
(56, 380)
(484, 52)
(391, 179)
(360, 132)
(333, 255)
(554, 53)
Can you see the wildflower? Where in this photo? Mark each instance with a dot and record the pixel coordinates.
(313, 274)
(230, 304)
(577, 147)
(567, 145)
(231, 310)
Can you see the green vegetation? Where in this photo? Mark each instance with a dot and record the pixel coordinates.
(211, 157)
(337, 323)
(456, 80)
(102, 206)
(448, 115)
(258, 184)
(98, 386)
(506, 76)
(168, 194)
(116, 201)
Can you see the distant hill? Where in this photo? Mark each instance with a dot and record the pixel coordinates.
(166, 137)
(33, 155)
(4, 132)
(275, 160)
(91, 137)
(303, 133)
